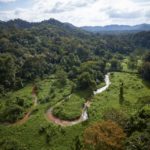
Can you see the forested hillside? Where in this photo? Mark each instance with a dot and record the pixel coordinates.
(30, 50)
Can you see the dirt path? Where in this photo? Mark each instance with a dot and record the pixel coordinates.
(84, 116)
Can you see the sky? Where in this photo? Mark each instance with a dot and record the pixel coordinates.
(78, 12)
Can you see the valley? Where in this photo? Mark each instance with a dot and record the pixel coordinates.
(64, 88)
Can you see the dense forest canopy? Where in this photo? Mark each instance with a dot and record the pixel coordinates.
(31, 50)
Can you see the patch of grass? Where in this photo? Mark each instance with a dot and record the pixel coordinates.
(133, 90)
(102, 84)
(23, 93)
(70, 108)
(15, 104)
(52, 92)
(125, 67)
(28, 133)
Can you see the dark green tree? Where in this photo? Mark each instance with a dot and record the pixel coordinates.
(61, 75)
(85, 81)
(121, 93)
(7, 70)
(115, 65)
(78, 144)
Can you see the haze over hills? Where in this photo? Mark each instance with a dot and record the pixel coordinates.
(108, 28)
(25, 24)
(140, 27)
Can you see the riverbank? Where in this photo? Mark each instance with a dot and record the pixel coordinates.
(84, 115)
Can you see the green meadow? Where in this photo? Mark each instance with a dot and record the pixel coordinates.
(37, 131)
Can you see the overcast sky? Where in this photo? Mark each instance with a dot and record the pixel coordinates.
(78, 12)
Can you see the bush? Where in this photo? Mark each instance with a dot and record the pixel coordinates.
(138, 141)
(142, 101)
(105, 135)
(11, 113)
(20, 101)
(53, 95)
(45, 100)
(42, 129)
(70, 108)
(35, 110)
(139, 122)
(11, 144)
(51, 90)
(116, 116)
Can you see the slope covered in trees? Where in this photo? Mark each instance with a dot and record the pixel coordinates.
(30, 50)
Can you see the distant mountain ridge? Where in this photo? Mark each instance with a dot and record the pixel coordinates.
(140, 27)
(25, 24)
(19, 23)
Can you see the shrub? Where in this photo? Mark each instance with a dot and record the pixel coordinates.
(20, 101)
(106, 135)
(116, 116)
(11, 113)
(11, 144)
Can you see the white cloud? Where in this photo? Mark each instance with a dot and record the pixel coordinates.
(84, 12)
(7, 1)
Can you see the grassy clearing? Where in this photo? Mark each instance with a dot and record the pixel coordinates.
(125, 67)
(24, 93)
(50, 91)
(15, 104)
(70, 108)
(28, 133)
(134, 88)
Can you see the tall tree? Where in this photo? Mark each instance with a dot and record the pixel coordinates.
(145, 69)
(61, 75)
(85, 81)
(7, 70)
(121, 94)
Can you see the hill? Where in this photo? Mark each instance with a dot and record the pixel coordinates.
(117, 28)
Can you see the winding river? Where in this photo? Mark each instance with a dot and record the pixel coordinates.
(50, 117)
(84, 116)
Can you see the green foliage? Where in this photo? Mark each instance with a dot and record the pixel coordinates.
(86, 81)
(116, 116)
(138, 130)
(28, 53)
(20, 101)
(142, 101)
(145, 69)
(11, 144)
(15, 104)
(35, 51)
(64, 139)
(121, 94)
(61, 75)
(115, 65)
(138, 140)
(78, 144)
(70, 108)
(110, 99)
(8, 70)
(132, 63)
(11, 113)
